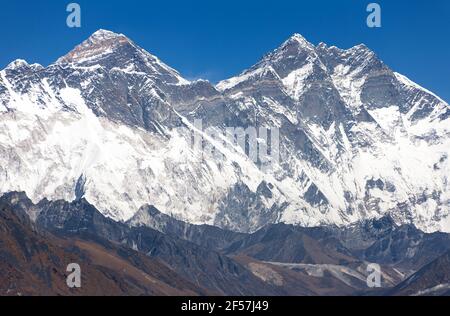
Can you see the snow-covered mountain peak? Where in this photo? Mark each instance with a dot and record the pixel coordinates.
(360, 54)
(17, 64)
(291, 63)
(291, 55)
(102, 35)
(294, 48)
(297, 39)
(116, 52)
(20, 65)
(98, 45)
(357, 140)
(361, 47)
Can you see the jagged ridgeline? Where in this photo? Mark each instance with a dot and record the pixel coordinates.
(357, 140)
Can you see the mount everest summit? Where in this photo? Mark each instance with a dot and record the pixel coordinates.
(105, 123)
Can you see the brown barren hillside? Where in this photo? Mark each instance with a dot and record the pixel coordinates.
(34, 263)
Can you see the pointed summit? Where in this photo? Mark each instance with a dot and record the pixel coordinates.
(113, 51)
(17, 64)
(295, 56)
(297, 42)
(297, 36)
(99, 44)
(102, 35)
(295, 47)
(297, 39)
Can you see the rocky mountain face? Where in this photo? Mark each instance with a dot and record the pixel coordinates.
(34, 262)
(213, 272)
(351, 131)
(165, 256)
(432, 280)
(112, 124)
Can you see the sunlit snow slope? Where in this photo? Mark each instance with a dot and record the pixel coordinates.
(112, 123)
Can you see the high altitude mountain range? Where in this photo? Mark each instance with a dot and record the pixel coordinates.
(100, 145)
(357, 140)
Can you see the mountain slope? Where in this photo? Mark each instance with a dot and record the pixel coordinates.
(34, 263)
(362, 140)
(276, 260)
(111, 123)
(209, 269)
(432, 280)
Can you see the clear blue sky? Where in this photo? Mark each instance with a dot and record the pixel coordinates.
(218, 39)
